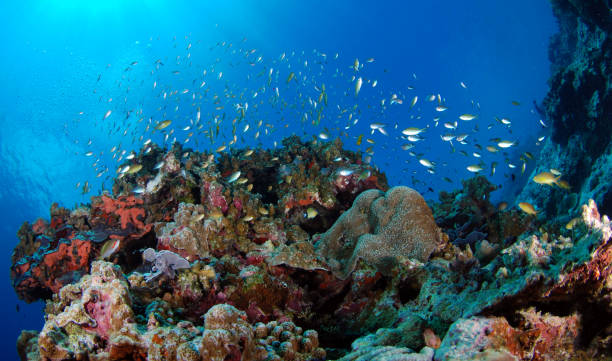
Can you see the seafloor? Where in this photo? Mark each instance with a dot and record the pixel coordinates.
(307, 254)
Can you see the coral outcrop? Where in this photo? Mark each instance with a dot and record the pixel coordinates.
(382, 229)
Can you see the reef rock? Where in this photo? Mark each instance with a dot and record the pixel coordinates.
(578, 105)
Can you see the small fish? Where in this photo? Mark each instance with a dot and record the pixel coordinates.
(527, 208)
(502, 206)
(358, 85)
(463, 85)
(159, 165)
(516, 103)
(134, 168)
(414, 101)
(544, 125)
(163, 124)
(345, 172)
(290, 77)
(375, 126)
(572, 223)
(492, 149)
(220, 149)
(108, 113)
(233, 177)
(426, 163)
(564, 184)
(505, 144)
(467, 117)
(138, 190)
(88, 154)
(263, 211)
(414, 138)
(441, 108)
(474, 168)
(248, 153)
(412, 131)
(449, 125)
(310, 213)
(555, 171)
(216, 214)
(197, 218)
(109, 248)
(323, 136)
(546, 178)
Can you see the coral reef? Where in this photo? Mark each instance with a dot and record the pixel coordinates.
(312, 259)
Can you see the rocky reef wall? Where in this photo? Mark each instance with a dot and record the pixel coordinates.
(579, 108)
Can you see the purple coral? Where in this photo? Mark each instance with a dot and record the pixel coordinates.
(164, 262)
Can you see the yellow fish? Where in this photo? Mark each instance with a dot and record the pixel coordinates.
(290, 77)
(134, 168)
(527, 208)
(359, 139)
(546, 178)
(310, 213)
(109, 248)
(564, 184)
(162, 125)
(572, 223)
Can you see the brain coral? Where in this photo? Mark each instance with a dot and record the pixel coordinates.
(379, 228)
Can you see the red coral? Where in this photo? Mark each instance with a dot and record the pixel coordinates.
(52, 266)
(127, 211)
(126, 207)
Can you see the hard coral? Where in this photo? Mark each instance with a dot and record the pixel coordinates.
(95, 309)
(381, 228)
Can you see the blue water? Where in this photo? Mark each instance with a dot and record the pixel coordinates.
(64, 57)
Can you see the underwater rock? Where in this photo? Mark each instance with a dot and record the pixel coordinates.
(537, 337)
(578, 106)
(95, 319)
(537, 271)
(389, 353)
(382, 229)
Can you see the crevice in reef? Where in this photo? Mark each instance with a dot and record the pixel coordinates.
(409, 289)
(264, 180)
